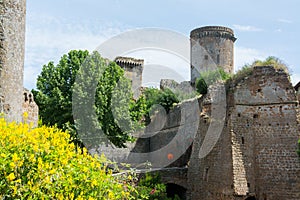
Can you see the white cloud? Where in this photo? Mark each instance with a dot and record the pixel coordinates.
(246, 28)
(244, 56)
(286, 21)
(48, 38)
(162, 65)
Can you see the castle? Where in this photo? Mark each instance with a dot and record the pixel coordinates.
(253, 156)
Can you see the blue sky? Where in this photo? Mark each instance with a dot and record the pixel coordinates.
(263, 28)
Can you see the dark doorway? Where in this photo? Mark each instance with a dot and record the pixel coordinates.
(251, 198)
(174, 190)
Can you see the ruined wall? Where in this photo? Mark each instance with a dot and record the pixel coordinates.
(255, 155)
(210, 177)
(12, 41)
(31, 108)
(133, 71)
(211, 46)
(264, 136)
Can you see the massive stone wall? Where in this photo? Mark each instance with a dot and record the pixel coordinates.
(12, 41)
(265, 131)
(255, 155)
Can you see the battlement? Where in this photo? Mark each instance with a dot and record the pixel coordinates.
(134, 71)
(128, 61)
(213, 31)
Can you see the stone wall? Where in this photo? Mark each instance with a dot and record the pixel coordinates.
(265, 131)
(210, 176)
(133, 71)
(31, 108)
(12, 41)
(211, 46)
(255, 155)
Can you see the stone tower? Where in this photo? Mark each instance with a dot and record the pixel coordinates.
(133, 70)
(12, 45)
(211, 46)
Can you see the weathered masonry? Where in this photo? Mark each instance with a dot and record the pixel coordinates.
(12, 44)
(211, 47)
(133, 71)
(255, 156)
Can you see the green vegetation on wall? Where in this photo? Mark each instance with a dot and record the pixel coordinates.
(210, 77)
(269, 61)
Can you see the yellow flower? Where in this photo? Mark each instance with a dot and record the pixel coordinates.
(25, 115)
(94, 183)
(11, 176)
(60, 197)
(18, 181)
(3, 155)
(15, 157)
(47, 180)
(12, 164)
(20, 163)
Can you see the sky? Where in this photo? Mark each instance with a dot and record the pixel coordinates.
(263, 28)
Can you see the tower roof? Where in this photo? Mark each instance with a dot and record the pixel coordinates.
(213, 31)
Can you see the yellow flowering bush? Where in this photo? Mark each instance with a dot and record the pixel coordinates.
(41, 163)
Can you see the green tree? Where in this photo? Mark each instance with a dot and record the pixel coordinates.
(103, 98)
(54, 94)
(165, 98)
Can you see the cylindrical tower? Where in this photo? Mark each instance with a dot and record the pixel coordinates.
(12, 45)
(211, 47)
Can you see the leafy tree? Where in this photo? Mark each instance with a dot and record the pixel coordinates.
(165, 98)
(54, 84)
(102, 95)
(210, 77)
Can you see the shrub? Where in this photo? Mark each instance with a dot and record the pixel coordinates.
(42, 163)
(150, 187)
(272, 61)
(269, 61)
(165, 98)
(242, 73)
(210, 77)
